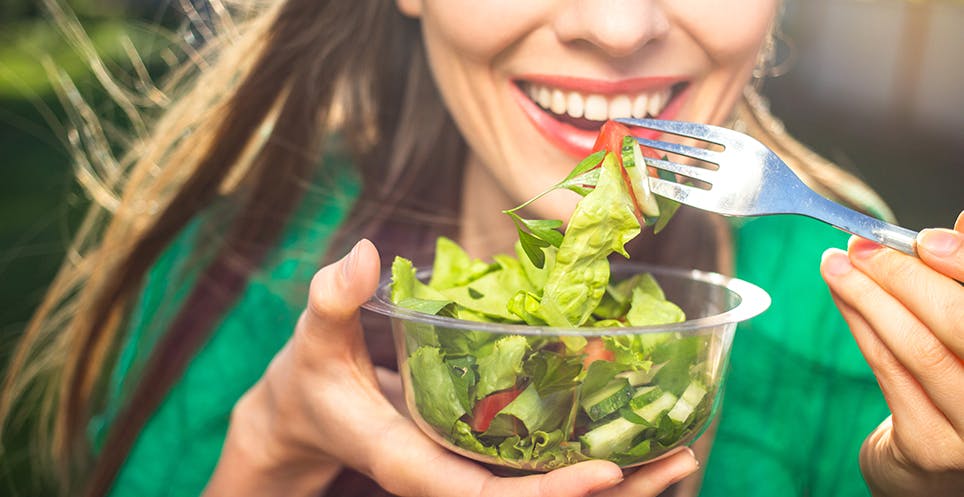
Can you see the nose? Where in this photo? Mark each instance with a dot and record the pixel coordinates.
(618, 27)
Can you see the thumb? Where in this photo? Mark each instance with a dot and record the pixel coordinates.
(336, 293)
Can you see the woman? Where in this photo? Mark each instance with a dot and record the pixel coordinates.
(431, 116)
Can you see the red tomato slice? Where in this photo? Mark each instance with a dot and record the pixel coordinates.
(610, 139)
(596, 351)
(485, 410)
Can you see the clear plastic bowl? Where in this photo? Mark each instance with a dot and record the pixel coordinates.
(714, 304)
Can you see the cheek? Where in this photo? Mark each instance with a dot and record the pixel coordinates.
(730, 35)
(479, 29)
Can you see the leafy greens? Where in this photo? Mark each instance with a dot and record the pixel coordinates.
(540, 401)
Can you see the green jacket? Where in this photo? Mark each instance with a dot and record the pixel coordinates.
(799, 397)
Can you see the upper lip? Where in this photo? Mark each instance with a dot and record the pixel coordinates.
(601, 86)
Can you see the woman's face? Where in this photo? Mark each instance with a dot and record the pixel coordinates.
(529, 82)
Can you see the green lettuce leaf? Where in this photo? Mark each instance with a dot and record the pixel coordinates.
(552, 372)
(435, 392)
(681, 354)
(406, 286)
(453, 266)
(516, 448)
(527, 307)
(635, 351)
(602, 222)
(464, 377)
(438, 307)
(499, 368)
(647, 310)
(533, 411)
(458, 343)
(537, 275)
(667, 206)
(491, 293)
(463, 437)
(599, 374)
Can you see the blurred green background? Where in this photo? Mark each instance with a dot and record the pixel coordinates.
(41, 204)
(874, 86)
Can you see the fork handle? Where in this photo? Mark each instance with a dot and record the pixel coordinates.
(862, 225)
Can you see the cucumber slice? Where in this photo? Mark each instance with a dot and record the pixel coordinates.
(608, 399)
(651, 412)
(644, 395)
(640, 377)
(618, 434)
(630, 415)
(638, 178)
(688, 400)
(614, 436)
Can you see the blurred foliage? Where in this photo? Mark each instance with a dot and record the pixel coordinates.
(22, 9)
(25, 44)
(40, 203)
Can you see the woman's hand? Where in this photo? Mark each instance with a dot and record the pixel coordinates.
(907, 315)
(319, 406)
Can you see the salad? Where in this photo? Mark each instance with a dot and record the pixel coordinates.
(542, 401)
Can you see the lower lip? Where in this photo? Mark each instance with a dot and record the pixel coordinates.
(575, 141)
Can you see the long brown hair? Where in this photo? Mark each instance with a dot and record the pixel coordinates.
(247, 132)
(247, 123)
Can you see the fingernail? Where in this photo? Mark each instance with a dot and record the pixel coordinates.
(862, 248)
(696, 466)
(613, 482)
(693, 455)
(940, 242)
(835, 262)
(349, 261)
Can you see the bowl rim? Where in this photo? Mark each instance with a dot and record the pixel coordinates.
(753, 300)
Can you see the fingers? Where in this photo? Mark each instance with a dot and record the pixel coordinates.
(934, 299)
(324, 377)
(410, 464)
(907, 399)
(578, 480)
(943, 249)
(891, 336)
(655, 477)
(337, 290)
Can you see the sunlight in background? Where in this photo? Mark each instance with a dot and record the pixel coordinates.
(884, 59)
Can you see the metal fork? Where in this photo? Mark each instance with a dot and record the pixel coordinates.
(752, 181)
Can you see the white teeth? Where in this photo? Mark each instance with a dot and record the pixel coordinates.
(558, 102)
(595, 107)
(544, 96)
(640, 106)
(575, 105)
(620, 107)
(656, 102)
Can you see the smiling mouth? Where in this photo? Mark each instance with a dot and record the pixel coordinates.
(588, 111)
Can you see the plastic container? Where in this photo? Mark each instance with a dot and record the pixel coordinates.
(634, 418)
